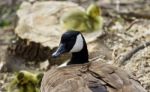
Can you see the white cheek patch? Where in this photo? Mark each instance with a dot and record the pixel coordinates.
(78, 44)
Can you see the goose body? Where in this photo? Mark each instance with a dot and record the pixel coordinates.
(80, 75)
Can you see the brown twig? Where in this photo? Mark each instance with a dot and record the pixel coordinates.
(132, 52)
(130, 26)
(133, 14)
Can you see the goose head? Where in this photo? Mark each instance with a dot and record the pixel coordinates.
(73, 42)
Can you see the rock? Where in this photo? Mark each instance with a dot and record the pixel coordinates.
(40, 22)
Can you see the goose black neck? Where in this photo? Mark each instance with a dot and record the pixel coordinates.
(80, 57)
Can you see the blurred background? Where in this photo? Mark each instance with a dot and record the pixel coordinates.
(126, 26)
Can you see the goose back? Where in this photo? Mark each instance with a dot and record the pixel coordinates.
(89, 77)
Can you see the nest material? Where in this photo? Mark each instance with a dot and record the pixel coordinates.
(29, 50)
(32, 51)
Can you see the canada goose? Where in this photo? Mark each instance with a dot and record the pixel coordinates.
(83, 21)
(83, 76)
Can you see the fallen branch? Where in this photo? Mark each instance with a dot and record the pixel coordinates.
(136, 15)
(132, 52)
(130, 26)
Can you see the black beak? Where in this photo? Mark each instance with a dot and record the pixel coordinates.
(60, 50)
